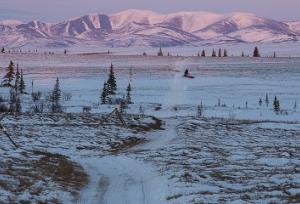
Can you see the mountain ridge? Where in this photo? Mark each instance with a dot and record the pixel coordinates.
(148, 28)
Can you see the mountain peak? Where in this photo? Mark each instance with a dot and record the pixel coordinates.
(136, 12)
(144, 27)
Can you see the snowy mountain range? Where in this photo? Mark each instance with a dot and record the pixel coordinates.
(147, 28)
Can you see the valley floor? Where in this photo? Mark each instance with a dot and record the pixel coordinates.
(168, 160)
(238, 151)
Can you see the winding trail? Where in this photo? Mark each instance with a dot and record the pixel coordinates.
(121, 179)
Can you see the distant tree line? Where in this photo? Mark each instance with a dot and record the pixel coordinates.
(219, 53)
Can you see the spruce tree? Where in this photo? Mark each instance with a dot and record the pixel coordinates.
(22, 85)
(128, 95)
(2, 50)
(260, 102)
(56, 96)
(267, 99)
(18, 105)
(160, 52)
(111, 82)
(274, 55)
(213, 53)
(220, 53)
(243, 55)
(17, 80)
(141, 111)
(122, 105)
(256, 52)
(276, 105)
(9, 76)
(104, 94)
(203, 53)
(225, 53)
(12, 100)
(200, 110)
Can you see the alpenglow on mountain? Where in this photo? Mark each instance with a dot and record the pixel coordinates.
(147, 28)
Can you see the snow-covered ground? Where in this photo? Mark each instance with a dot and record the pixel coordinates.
(283, 49)
(234, 154)
(159, 87)
(182, 160)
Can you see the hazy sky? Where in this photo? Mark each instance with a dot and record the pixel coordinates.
(55, 10)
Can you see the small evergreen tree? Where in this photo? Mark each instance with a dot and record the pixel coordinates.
(9, 76)
(128, 94)
(122, 105)
(295, 105)
(203, 53)
(267, 99)
(18, 105)
(141, 111)
(111, 82)
(17, 80)
(56, 96)
(2, 50)
(256, 52)
(260, 102)
(160, 52)
(200, 110)
(12, 100)
(198, 54)
(104, 94)
(22, 85)
(213, 53)
(220, 53)
(276, 105)
(130, 74)
(243, 55)
(274, 55)
(225, 53)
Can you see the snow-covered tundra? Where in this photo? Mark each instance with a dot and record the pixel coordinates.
(237, 151)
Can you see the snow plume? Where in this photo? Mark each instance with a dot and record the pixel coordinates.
(177, 85)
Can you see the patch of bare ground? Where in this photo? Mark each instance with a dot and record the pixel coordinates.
(125, 144)
(32, 174)
(36, 173)
(155, 124)
(139, 126)
(69, 175)
(294, 198)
